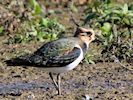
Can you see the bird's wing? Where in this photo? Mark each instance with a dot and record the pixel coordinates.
(56, 54)
(52, 54)
(60, 61)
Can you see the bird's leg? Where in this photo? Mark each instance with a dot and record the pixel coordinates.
(55, 83)
(59, 79)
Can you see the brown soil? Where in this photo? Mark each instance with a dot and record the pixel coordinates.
(102, 81)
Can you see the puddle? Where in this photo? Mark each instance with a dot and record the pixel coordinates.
(16, 89)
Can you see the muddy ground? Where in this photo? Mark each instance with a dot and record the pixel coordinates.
(101, 81)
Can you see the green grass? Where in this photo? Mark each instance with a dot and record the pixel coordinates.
(37, 27)
(113, 23)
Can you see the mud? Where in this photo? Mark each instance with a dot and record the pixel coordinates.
(101, 81)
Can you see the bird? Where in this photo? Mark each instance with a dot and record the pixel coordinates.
(58, 56)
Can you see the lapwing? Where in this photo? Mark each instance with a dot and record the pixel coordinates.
(58, 56)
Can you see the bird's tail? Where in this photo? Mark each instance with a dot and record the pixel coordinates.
(22, 60)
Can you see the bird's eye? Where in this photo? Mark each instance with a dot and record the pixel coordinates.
(89, 33)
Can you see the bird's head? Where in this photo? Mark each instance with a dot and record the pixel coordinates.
(86, 35)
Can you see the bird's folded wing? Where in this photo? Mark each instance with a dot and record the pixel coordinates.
(57, 53)
(52, 54)
(60, 61)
